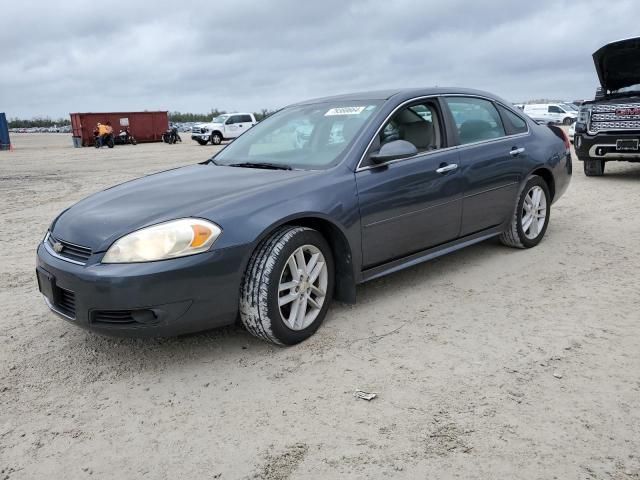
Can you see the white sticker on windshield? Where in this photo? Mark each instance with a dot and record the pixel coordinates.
(345, 111)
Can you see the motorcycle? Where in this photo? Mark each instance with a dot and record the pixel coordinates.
(125, 137)
(171, 136)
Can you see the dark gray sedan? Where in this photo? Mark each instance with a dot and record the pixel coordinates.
(315, 199)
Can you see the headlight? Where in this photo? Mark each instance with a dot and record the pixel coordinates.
(583, 115)
(176, 238)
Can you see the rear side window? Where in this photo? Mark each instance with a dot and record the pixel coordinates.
(513, 123)
(246, 118)
(476, 119)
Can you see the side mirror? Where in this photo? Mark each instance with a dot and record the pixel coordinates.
(394, 151)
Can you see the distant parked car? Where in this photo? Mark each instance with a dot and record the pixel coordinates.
(223, 127)
(551, 113)
(272, 228)
(572, 131)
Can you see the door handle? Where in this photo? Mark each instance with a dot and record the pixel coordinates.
(447, 168)
(516, 151)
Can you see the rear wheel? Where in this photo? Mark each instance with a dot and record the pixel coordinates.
(531, 217)
(288, 286)
(593, 167)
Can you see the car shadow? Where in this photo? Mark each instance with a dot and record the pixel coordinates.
(232, 343)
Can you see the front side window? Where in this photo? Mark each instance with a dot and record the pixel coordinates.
(417, 124)
(554, 109)
(476, 119)
(304, 136)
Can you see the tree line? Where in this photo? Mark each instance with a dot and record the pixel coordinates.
(38, 122)
(174, 117)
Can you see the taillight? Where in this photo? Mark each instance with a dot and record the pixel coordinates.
(560, 133)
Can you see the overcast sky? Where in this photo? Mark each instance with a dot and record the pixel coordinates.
(66, 56)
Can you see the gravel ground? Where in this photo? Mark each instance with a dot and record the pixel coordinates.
(489, 363)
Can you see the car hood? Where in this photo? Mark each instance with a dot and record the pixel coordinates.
(193, 191)
(618, 64)
(208, 125)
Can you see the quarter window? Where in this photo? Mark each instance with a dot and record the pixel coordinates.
(476, 119)
(513, 123)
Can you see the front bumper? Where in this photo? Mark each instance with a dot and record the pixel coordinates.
(164, 298)
(603, 146)
(201, 136)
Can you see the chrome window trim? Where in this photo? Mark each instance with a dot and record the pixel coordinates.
(359, 168)
(53, 253)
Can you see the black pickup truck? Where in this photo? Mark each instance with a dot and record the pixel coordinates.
(608, 128)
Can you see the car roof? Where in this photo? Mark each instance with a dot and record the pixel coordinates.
(401, 95)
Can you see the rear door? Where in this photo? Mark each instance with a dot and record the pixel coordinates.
(415, 203)
(492, 160)
(232, 127)
(245, 123)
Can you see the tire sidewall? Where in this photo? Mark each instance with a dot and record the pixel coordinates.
(280, 330)
(533, 182)
(216, 139)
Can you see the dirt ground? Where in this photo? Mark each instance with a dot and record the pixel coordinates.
(490, 363)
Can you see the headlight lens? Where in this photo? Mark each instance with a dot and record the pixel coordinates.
(176, 238)
(584, 114)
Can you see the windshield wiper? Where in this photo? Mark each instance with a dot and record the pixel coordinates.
(269, 166)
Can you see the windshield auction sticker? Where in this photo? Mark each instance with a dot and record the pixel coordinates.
(345, 111)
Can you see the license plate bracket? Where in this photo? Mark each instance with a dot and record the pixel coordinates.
(46, 284)
(627, 144)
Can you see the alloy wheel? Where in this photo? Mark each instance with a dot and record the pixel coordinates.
(302, 287)
(534, 212)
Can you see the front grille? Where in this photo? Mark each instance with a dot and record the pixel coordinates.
(66, 302)
(114, 317)
(604, 117)
(71, 251)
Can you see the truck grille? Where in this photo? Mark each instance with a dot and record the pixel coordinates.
(76, 253)
(604, 117)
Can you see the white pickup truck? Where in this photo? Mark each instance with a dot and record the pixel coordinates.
(223, 127)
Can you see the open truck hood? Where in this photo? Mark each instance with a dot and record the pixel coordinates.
(618, 64)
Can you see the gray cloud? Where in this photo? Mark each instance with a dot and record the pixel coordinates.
(246, 55)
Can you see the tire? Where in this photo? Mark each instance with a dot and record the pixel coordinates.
(133, 141)
(269, 270)
(202, 142)
(216, 138)
(567, 121)
(517, 235)
(593, 167)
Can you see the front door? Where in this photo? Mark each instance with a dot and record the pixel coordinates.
(411, 204)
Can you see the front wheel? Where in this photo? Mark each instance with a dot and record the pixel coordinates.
(567, 121)
(593, 168)
(531, 216)
(216, 138)
(288, 286)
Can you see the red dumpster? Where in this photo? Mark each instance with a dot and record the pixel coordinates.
(144, 126)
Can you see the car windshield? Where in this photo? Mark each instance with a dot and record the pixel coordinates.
(302, 137)
(220, 119)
